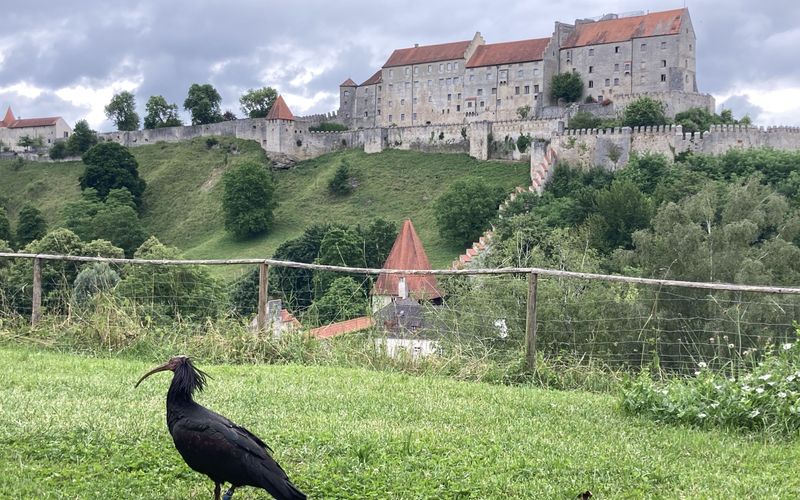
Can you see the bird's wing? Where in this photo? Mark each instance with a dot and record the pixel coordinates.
(242, 437)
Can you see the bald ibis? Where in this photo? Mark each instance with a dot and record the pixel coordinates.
(213, 445)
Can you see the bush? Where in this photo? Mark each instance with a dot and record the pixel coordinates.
(344, 299)
(247, 200)
(328, 127)
(764, 399)
(82, 138)
(58, 151)
(340, 185)
(644, 112)
(566, 86)
(523, 141)
(464, 211)
(96, 277)
(583, 119)
(30, 226)
(112, 166)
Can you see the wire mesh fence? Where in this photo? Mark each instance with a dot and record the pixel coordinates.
(503, 317)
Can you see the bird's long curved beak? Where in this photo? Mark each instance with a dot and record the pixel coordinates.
(157, 369)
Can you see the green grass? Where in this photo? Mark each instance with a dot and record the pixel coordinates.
(182, 204)
(74, 427)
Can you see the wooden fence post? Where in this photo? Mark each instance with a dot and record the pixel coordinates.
(530, 323)
(36, 304)
(263, 289)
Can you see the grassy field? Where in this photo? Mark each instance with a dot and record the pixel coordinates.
(182, 202)
(74, 427)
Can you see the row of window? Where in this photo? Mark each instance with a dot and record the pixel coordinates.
(642, 79)
(642, 65)
(451, 66)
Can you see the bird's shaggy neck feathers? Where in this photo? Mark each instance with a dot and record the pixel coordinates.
(185, 381)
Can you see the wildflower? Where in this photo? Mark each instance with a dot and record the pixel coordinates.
(702, 364)
(759, 390)
(790, 378)
(731, 346)
(781, 394)
(746, 388)
(725, 338)
(664, 392)
(766, 376)
(697, 374)
(731, 379)
(786, 347)
(701, 415)
(714, 405)
(711, 339)
(755, 413)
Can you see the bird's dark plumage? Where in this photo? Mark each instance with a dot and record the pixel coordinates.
(213, 445)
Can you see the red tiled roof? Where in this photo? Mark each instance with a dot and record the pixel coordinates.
(349, 326)
(9, 118)
(280, 111)
(348, 83)
(287, 317)
(407, 253)
(427, 53)
(34, 122)
(626, 28)
(508, 52)
(376, 78)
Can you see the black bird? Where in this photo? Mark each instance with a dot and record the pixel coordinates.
(213, 445)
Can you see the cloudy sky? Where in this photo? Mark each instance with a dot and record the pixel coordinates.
(69, 58)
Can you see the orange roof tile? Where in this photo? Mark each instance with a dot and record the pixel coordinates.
(407, 253)
(348, 83)
(376, 78)
(427, 53)
(626, 28)
(34, 122)
(280, 111)
(9, 118)
(287, 317)
(508, 52)
(349, 326)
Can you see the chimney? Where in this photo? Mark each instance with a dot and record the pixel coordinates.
(416, 45)
(402, 291)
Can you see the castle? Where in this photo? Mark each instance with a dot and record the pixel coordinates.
(460, 82)
(49, 130)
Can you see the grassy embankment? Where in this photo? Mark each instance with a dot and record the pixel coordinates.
(183, 208)
(74, 427)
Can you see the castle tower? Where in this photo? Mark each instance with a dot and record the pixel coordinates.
(280, 127)
(8, 119)
(347, 101)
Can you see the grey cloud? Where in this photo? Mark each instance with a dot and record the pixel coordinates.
(741, 105)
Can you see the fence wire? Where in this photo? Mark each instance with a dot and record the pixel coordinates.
(483, 316)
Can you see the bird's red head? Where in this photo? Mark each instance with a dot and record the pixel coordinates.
(173, 364)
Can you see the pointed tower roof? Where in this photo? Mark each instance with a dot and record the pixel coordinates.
(348, 83)
(280, 111)
(407, 253)
(8, 119)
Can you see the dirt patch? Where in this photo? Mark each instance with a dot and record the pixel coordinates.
(212, 180)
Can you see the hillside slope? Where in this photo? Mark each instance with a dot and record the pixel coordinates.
(182, 204)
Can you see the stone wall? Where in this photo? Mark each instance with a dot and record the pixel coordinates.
(674, 101)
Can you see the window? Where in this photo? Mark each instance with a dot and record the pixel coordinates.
(390, 118)
(643, 47)
(391, 73)
(379, 101)
(627, 66)
(455, 80)
(402, 102)
(472, 78)
(430, 83)
(616, 66)
(469, 104)
(390, 103)
(608, 82)
(536, 88)
(482, 104)
(641, 79)
(663, 63)
(379, 88)
(458, 107)
(449, 67)
(347, 93)
(402, 117)
(520, 73)
(663, 77)
(616, 81)
(494, 90)
(642, 65)
(591, 69)
(690, 47)
(591, 52)
(480, 91)
(415, 100)
(413, 116)
(535, 71)
(379, 112)
(408, 85)
(366, 114)
(663, 45)
(591, 84)
(416, 70)
(498, 102)
(527, 89)
(441, 81)
(516, 90)
(430, 68)
(441, 67)
(408, 70)
(458, 96)
(449, 81)
(488, 75)
(616, 49)
(449, 97)
(430, 98)
(685, 63)
(687, 81)
(455, 65)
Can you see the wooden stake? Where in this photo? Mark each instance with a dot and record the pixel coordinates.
(263, 289)
(530, 323)
(36, 305)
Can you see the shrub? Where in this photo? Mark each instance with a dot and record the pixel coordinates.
(583, 119)
(764, 399)
(523, 141)
(644, 112)
(328, 127)
(340, 185)
(566, 86)
(344, 299)
(523, 111)
(247, 200)
(463, 212)
(58, 151)
(30, 226)
(112, 166)
(96, 277)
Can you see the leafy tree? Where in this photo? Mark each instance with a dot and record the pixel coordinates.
(341, 246)
(566, 86)
(5, 226)
(161, 114)
(59, 150)
(463, 212)
(584, 119)
(122, 111)
(94, 278)
(203, 103)
(228, 116)
(112, 166)
(247, 200)
(339, 185)
(296, 285)
(256, 103)
(82, 138)
(644, 112)
(523, 111)
(343, 300)
(620, 210)
(378, 238)
(30, 225)
(114, 220)
(28, 142)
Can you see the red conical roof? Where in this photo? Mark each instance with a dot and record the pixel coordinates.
(407, 253)
(9, 118)
(280, 111)
(348, 83)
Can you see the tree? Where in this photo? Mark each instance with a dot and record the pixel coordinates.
(620, 210)
(566, 86)
(583, 120)
(5, 226)
(122, 111)
(296, 285)
(160, 114)
(114, 220)
(343, 300)
(59, 150)
(644, 112)
(523, 111)
(111, 166)
(94, 278)
(340, 185)
(82, 139)
(28, 142)
(378, 238)
(30, 226)
(247, 200)
(256, 103)
(463, 212)
(228, 116)
(203, 103)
